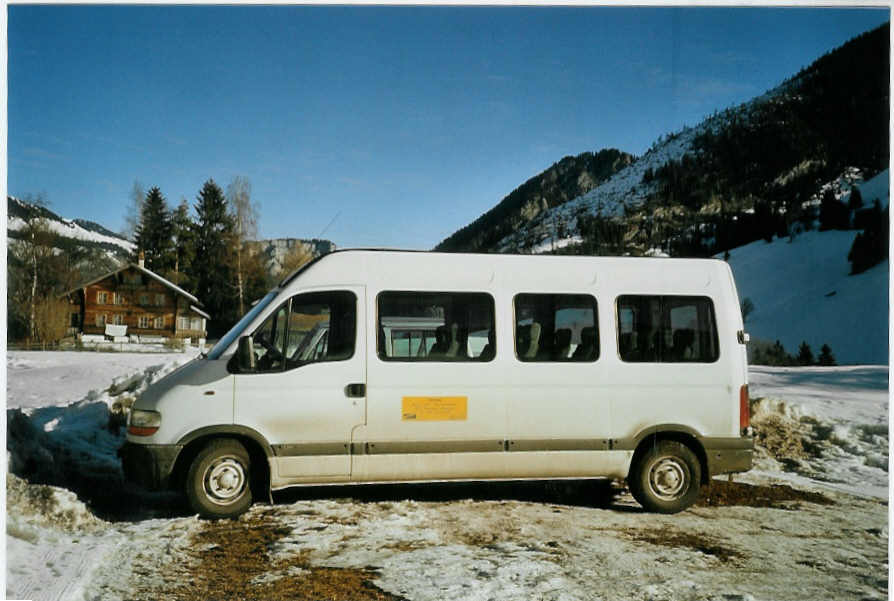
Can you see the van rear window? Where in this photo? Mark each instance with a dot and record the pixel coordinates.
(667, 329)
(436, 326)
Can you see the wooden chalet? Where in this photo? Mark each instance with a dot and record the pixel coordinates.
(135, 302)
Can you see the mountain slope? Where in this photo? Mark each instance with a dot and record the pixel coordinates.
(77, 232)
(567, 179)
(801, 291)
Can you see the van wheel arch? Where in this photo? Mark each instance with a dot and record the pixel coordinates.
(683, 437)
(259, 453)
(666, 471)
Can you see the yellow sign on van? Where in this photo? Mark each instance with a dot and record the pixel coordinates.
(434, 408)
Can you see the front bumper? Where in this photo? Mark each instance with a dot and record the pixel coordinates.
(149, 465)
(729, 455)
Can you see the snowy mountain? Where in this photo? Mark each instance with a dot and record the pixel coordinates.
(564, 180)
(71, 232)
(746, 173)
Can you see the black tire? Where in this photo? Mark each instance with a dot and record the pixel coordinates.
(666, 477)
(218, 483)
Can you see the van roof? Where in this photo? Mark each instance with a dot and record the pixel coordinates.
(498, 257)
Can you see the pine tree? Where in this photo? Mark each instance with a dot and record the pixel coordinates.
(833, 213)
(826, 357)
(184, 234)
(805, 355)
(870, 247)
(154, 235)
(215, 236)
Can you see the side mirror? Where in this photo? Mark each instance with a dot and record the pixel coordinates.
(245, 354)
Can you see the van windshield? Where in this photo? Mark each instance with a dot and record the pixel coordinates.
(237, 329)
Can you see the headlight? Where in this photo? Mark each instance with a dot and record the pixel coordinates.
(143, 423)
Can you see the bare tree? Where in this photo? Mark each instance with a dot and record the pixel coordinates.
(296, 257)
(747, 309)
(34, 249)
(134, 210)
(245, 214)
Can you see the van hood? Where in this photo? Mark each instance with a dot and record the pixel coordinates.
(186, 381)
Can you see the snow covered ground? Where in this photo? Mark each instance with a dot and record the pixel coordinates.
(802, 291)
(839, 415)
(39, 379)
(820, 429)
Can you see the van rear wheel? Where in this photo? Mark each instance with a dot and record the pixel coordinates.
(218, 482)
(666, 477)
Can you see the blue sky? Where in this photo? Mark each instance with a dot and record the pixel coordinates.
(406, 123)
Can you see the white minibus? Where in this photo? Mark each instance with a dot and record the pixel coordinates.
(396, 366)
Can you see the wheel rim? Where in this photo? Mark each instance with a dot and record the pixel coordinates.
(669, 478)
(224, 480)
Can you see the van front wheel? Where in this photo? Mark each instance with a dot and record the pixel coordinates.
(218, 481)
(666, 477)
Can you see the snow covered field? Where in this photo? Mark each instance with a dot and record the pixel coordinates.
(809, 295)
(821, 430)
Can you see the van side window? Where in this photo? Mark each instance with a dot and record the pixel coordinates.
(435, 326)
(308, 328)
(269, 341)
(556, 327)
(667, 329)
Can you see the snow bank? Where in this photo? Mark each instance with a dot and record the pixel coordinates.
(62, 463)
(75, 444)
(40, 379)
(29, 506)
(823, 427)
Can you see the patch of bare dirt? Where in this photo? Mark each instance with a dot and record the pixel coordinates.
(695, 542)
(230, 559)
(720, 493)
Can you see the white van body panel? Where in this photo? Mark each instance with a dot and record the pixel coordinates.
(196, 395)
(519, 419)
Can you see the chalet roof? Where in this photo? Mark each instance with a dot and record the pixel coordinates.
(177, 289)
(200, 312)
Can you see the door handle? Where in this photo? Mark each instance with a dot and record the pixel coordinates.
(355, 391)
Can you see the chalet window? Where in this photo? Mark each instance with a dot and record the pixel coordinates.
(158, 323)
(183, 323)
(144, 299)
(117, 298)
(198, 324)
(102, 297)
(100, 320)
(159, 300)
(118, 319)
(144, 321)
